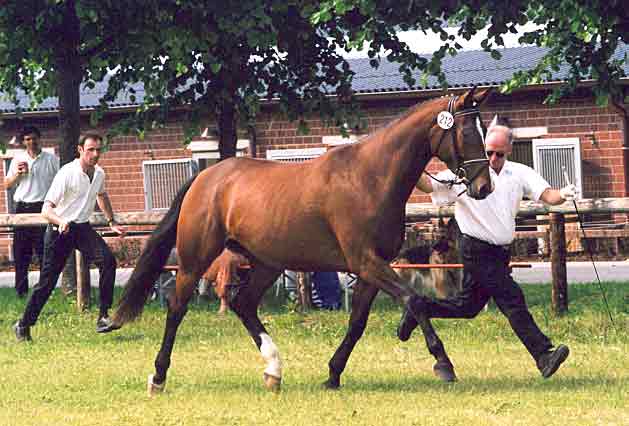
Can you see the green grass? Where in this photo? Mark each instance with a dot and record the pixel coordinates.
(70, 375)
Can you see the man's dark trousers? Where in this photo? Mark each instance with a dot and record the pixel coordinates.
(57, 248)
(25, 241)
(486, 274)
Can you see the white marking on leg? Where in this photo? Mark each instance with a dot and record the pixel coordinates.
(271, 355)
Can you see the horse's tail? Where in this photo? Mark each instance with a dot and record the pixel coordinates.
(150, 263)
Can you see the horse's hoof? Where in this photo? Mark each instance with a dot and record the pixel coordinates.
(154, 388)
(332, 384)
(272, 383)
(445, 371)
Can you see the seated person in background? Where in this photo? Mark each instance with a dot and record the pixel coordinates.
(326, 290)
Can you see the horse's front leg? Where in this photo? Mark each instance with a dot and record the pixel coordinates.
(245, 304)
(362, 300)
(378, 272)
(443, 368)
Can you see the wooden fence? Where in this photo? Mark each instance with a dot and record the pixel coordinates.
(414, 213)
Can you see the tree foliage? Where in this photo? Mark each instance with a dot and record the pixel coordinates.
(581, 35)
(48, 48)
(222, 58)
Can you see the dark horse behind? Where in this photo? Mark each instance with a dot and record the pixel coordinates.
(343, 211)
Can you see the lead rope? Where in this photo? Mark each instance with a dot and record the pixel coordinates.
(587, 247)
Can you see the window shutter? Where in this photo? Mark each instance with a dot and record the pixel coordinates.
(163, 178)
(552, 156)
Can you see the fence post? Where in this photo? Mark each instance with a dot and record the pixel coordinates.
(83, 284)
(304, 290)
(558, 263)
(68, 277)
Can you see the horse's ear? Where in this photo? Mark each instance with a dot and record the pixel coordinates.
(474, 97)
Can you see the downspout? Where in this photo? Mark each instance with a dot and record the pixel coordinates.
(624, 114)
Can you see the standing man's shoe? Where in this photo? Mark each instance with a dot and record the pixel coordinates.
(23, 334)
(550, 360)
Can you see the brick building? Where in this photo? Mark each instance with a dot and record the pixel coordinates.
(144, 174)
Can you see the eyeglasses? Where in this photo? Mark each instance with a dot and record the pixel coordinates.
(498, 154)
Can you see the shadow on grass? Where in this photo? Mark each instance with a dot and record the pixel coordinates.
(472, 384)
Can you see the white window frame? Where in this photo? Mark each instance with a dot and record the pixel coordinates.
(539, 145)
(339, 140)
(208, 148)
(294, 155)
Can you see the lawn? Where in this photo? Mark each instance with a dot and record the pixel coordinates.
(70, 375)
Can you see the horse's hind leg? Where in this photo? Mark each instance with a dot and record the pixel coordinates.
(177, 308)
(245, 304)
(362, 299)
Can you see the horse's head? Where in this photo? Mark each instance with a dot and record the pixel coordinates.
(458, 139)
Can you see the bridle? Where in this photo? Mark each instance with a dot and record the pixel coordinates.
(462, 170)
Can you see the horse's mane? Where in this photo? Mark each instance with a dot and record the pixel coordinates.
(401, 116)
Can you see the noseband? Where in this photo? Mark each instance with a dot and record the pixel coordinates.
(462, 170)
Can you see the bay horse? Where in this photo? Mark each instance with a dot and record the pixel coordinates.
(343, 211)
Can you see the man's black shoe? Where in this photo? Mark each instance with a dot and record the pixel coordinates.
(23, 334)
(105, 325)
(550, 360)
(407, 324)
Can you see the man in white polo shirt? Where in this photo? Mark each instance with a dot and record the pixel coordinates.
(68, 206)
(488, 228)
(30, 173)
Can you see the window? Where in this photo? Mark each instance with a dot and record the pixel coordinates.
(553, 157)
(523, 144)
(522, 152)
(163, 178)
(294, 155)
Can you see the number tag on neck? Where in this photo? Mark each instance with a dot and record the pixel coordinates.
(445, 120)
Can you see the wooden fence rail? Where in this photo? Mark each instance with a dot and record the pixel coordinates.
(425, 211)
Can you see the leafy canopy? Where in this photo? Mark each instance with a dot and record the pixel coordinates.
(583, 35)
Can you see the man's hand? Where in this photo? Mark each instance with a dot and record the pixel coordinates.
(568, 192)
(64, 227)
(117, 229)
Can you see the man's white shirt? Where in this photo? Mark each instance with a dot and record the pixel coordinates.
(33, 186)
(492, 219)
(72, 193)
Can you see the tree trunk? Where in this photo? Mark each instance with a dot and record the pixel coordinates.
(228, 136)
(68, 64)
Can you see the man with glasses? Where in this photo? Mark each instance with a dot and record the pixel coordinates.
(488, 228)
